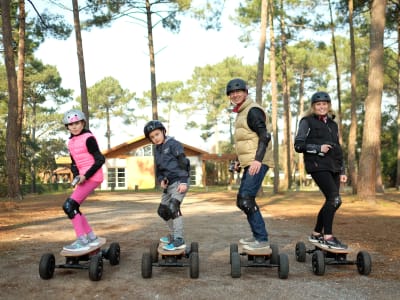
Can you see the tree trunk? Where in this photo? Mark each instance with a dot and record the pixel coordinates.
(261, 61)
(338, 87)
(21, 71)
(152, 75)
(33, 139)
(261, 52)
(352, 142)
(108, 132)
(398, 107)
(372, 123)
(274, 92)
(286, 107)
(300, 163)
(12, 135)
(81, 62)
(152, 62)
(379, 184)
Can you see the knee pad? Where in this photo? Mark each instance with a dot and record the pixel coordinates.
(71, 208)
(247, 204)
(335, 202)
(174, 206)
(164, 212)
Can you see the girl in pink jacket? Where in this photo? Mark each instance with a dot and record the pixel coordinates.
(87, 161)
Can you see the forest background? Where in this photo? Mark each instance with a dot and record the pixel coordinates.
(353, 53)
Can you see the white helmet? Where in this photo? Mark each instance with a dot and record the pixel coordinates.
(73, 115)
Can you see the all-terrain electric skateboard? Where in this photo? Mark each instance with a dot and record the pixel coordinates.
(267, 257)
(322, 256)
(92, 260)
(187, 257)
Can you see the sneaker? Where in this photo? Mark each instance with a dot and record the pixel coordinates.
(256, 245)
(177, 244)
(165, 239)
(94, 242)
(78, 245)
(316, 238)
(246, 241)
(333, 243)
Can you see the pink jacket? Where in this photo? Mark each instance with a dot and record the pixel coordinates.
(83, 159)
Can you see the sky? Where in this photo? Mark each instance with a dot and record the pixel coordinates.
(121, 51)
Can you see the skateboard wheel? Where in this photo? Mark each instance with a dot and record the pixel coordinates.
(194, 265)
(46, 266)
(283, 269)
(232, 248)
(364, 263)
(274, 260)
(235, 265)
(154, 252)
(114, 254)
(300, 252)
(194, 247)
(318, 263)
(146, 265)
(95, 267)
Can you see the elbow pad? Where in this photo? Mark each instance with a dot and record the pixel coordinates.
(268, 138)
(299, 148)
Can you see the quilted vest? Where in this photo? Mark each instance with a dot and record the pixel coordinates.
(83, 159)
(246, 140)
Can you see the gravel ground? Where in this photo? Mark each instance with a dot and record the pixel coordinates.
(38, 226)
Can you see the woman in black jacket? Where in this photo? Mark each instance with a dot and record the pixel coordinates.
(317, 138)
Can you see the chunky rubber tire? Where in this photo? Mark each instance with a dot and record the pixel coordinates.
(283, 269)
(318, 263)
(194, 247)
(95, 267)
(194, 266)
(114, 254)
(232, 248)
(300, 252)
(47, 265)
(146, 265)
(235, 265)
(364, 263)
(274, 260)
(154, 252)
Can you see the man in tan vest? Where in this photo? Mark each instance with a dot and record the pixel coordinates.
(254, 156)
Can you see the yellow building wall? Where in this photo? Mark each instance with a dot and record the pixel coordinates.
(140, 172)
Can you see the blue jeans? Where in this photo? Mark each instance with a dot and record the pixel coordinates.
(249, 186)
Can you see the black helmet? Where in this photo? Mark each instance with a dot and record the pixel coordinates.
(320, 96)
(236, 84)
(153, 125)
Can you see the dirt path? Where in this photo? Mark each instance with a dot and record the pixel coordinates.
(39, 225)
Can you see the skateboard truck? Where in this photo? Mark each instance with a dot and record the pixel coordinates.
(322, 256)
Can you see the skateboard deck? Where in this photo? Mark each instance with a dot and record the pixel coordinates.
(83, 252)
(319, 246)
(263, 251)
(169, 252)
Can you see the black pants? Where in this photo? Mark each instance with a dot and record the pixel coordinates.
(329, 184)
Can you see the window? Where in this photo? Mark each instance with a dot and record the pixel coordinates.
(116, 178)
(144, 151)
(192, 175)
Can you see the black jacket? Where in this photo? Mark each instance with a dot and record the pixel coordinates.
(313, 133)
